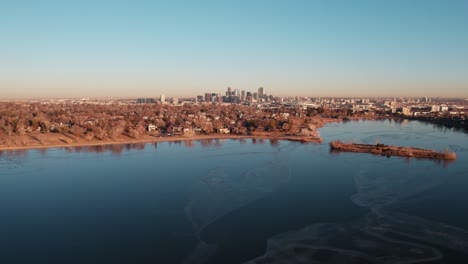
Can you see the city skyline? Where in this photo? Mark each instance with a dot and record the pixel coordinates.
(305, 48)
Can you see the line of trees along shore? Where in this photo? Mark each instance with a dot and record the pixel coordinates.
(114, 121)
(91, 121)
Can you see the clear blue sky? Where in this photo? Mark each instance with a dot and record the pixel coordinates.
(184, 48)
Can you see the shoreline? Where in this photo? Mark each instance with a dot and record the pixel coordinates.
(152, 139)
(305, 139)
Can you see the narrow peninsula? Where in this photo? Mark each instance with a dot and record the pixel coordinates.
(385, 150)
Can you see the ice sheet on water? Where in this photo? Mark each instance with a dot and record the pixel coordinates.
(380, 194)
(223, 190)
(435, 233)
(220, 192)
(376, 190)
(380, 237)
(335, 243)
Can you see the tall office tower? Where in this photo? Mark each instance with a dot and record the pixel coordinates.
(237, 92)
(208, 97)
(248, 97)
(242, 97)
(162, 98)
(175, 101)
(260, 92)
(255, 96)
(229, 91)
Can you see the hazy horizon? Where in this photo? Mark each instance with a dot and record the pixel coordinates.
(303, 48)
(169, 96)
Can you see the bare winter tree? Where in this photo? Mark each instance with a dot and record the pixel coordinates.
(99, 133)
(89, 135)
(78, 130)
(8, 129)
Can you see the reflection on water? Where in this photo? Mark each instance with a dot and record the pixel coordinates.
(112, 148)
(274, 142)
(115, 149)
(189, 144)
(407, 160)
(14, 154)
(118, 149)
(206, 143)
(11, 159)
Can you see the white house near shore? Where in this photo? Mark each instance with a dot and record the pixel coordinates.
(224, 131)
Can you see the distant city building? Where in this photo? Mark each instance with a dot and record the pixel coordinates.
(406, 111)
(235, 99)
(175, 101)
(162, 98)
(237, 96)
(207, 97)
(146, 101)
(260, 92)
(199, 99)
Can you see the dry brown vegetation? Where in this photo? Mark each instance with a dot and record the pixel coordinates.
(43, 124)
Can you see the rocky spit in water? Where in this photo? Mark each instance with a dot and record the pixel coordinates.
(385, 150)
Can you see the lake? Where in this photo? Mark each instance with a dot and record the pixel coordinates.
(239, 201)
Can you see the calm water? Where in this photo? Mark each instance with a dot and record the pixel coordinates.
(236, 201)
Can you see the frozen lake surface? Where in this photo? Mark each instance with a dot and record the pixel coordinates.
(238, 201)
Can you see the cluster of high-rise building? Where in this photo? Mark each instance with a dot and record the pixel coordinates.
(230, 96)
(235, 96)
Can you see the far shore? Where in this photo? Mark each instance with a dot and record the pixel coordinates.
(54, 140)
